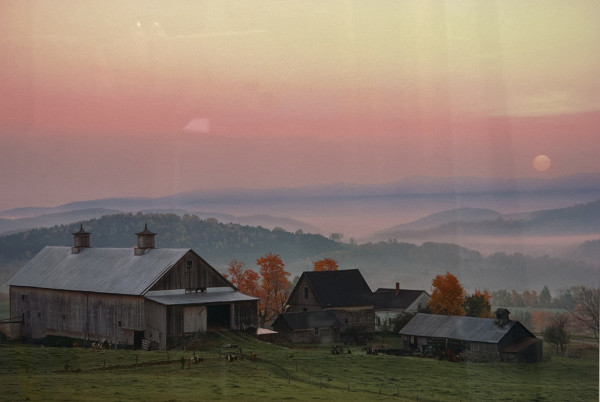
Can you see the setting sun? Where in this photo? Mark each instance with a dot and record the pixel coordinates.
(541, 163)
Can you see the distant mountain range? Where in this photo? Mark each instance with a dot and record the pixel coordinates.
(352, 209)
(578, 219)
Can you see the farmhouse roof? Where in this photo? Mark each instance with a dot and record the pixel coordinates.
(471, 329)
(341, 288)
(101, 270)
(309, 319)
(395, 299)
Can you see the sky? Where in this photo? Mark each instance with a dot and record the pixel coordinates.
(106, 99)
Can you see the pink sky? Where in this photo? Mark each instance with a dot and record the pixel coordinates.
(148, 98)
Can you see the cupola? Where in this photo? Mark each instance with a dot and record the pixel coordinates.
(81, 239)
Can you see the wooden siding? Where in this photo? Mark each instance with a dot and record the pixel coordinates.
(301, 299)
(192, 273)
(156, 323)
(194, 319)
(83, 315)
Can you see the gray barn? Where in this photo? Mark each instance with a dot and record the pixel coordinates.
(345, 293)
(477, 339)
(162, 296)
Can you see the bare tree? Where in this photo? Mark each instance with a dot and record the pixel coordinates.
(585, 307)
(556, 333)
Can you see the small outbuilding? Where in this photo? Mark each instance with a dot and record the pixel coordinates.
(471, 338)
(309, 326)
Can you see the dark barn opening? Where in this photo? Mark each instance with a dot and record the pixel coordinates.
(138, 336)
(219, 316)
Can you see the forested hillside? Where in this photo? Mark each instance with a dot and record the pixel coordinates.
(382, 263)
(216, 242)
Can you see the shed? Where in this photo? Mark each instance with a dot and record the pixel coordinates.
(478, 339)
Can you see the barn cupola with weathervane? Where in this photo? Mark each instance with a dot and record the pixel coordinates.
(81, 240)
(145, 241)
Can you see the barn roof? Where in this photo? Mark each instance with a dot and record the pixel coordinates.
(309, 319)
(390, 299)
(471, 329)
(101, 270)
(341, 288)
(211, 295)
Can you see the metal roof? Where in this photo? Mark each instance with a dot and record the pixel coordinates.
(343, 288)
(471, 329)
(212, 295)
(101, 270)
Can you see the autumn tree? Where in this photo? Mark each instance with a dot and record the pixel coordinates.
(325, 264)
(246, 280)
(447, 296)
(273, 287)
(478, 305)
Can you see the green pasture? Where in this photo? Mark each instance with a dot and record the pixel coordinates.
(281, 373)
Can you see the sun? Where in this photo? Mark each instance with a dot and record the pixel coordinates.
(541, 163)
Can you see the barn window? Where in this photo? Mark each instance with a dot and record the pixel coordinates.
(316, 331)
(304, 309)
(39, 314)
(23, 297)
(119, 323)
(306, 292)
(188, 264)
(64, 317)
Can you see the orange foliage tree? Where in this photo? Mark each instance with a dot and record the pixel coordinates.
(246, 280)
(326, 264)
(273, 287)
(447, 296)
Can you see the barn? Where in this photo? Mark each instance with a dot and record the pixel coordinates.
(145, 296)
(345, 293)
(472, 338)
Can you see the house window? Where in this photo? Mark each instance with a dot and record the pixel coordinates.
(306, 292)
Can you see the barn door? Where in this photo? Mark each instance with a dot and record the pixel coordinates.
(194, 319)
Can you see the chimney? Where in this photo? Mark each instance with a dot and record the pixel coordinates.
(397, 288)
(81, 239)
(145, 241)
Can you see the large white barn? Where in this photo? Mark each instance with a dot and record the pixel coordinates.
(126, 296)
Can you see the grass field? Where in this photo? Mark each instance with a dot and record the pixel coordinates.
(280, 373)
